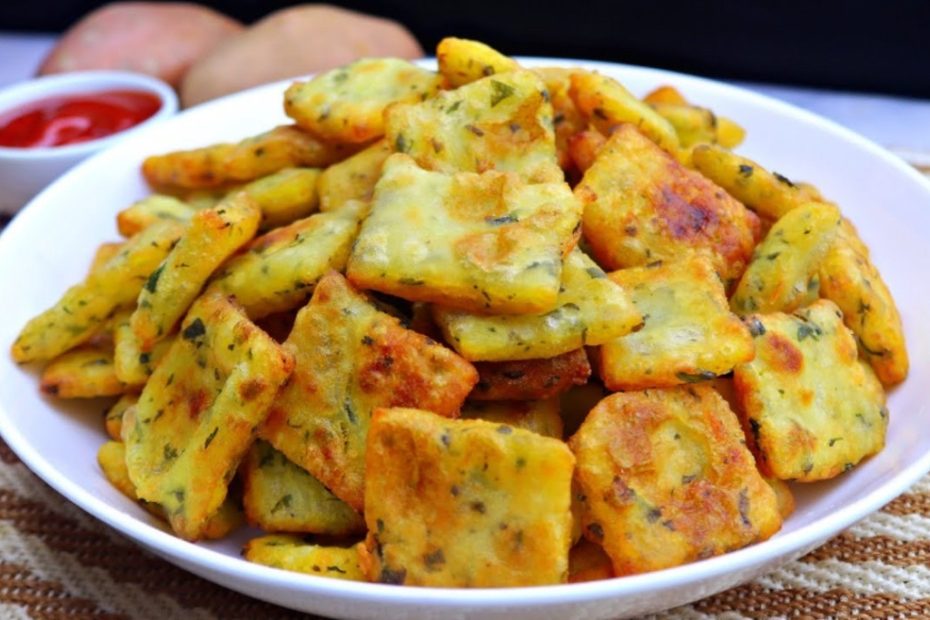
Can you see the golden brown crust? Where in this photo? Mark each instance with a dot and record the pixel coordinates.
(531, 379)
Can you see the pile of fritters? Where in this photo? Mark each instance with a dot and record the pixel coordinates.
(491, 326)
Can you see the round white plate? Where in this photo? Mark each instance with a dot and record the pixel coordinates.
(50, 245)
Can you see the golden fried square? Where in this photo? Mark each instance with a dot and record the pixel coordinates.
(539, 416)
(295, 554)
(689, 334)
(640, 206)
(353, 178)
(813, 408)
(84, 372)
(502, 122)
(567, 119)
(465, 503)
(352, 358)
(198, 412)
(347, 104)
(531, 379)
(666, 478)
(151, 209)
(482, 242)
(590, 310)
(462, 61)
(279, 496)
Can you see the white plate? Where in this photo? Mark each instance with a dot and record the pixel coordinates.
(51, 243)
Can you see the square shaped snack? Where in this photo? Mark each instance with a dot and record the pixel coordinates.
(465, 503)
(666, 478)
(482, 242)
(353, 178)
(198, 412)
(84, 372)
(462, 61)
(352, 358)
(296, 554)
(689, 333)
(813, 408)
(590, 310)
(640, 206)
(501, 122)
(531, 379)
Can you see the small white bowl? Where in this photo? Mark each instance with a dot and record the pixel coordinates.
(25, 171)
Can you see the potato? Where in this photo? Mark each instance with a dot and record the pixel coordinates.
(726, 132)
(285, 196)
(158, 38)
(294, 41)
(666, 479)
(462, 61)
(198, 412)
(464, 503)
(151, 209)
(133, 367)
(690, 334)
(113, 418)
(692, 124)
(105, 251)
(583, 148)
(531, 379)
(353, 178)
(567, 119)
(641, 206)
(294, 554)
(487, 242)
(665, 94)
(812, 407)
(352, 358)
(590, 310)
(84, 372)
(539, 416)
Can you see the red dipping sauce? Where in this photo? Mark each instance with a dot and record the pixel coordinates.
(70, 119)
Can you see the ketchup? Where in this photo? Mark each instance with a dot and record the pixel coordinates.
(69, 119)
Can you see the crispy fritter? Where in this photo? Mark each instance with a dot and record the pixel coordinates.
(353, 178)
(692, 124)
(583, 148)
(132, 365)
(84, 372)
(295, 554)
(151, 209)
(285, 196)
(105, 251)
(462, 61)
(531, 379)
(539, 416)
(113, 418)
(566, 119)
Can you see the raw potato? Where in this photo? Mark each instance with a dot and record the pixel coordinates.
(298, 40)
(462, 61)
(158, 38)
(85, 372)
(347, 104)
(539, 416)
(464, 503)
(353, 178)
(536, 379)
(487, 242)
(294, 554)
(143, 213)
(590, 310)
(813, 408)
(667, 479)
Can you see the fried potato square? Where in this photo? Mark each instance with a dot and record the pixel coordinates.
(198, 412)
(212, 236)
(113, 418)
(567, 119)
(85, 308)
(353, 178)
(84, 372)
(531, 379)
(279, 496)
(726, 131)
(849, 279)
(667, 479)
(539, 416)
(608, 104)
(347, 104)
(465, 503)
(482, 242)
(133, 366)
(590, 310)
(285, 196)
(462, 61)
(692, 124)
(217, 166)
(640, 206)
(295, 554)
(502, 122)
(690, 334)
(587, 561)
(783, 274)
(352, 358)
(151, 209)
(278, 270)
(813, 409)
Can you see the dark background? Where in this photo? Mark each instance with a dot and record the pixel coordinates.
(867, 46)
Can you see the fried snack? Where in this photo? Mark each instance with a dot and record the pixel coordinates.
(567, 119)
(113, 418)
(590, 310)
(608, 104)
(352, 358)
(692, 124)
(783, 273)
(462, 61)
(783, 496)
(588, 562)
(84, 372)
(294, 554)
(767, 193)
(464, 503)
(217, 166)
(539, 416)
(813, 409)
(849, 279)
(151, 209)
(278, 270)
(212, 236)
(347, 104)
(502, 122)
(583, 148)
(726, 132)
(481, 242)
(84, 308)
(279, 496)
(665, 94)
(104, 252)
(353, 178)
(133, 366)
(198, 412)
(531, 379)
(667, 479)
(641, 206)
(690, 334)
(285, 196)
(730, 134)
